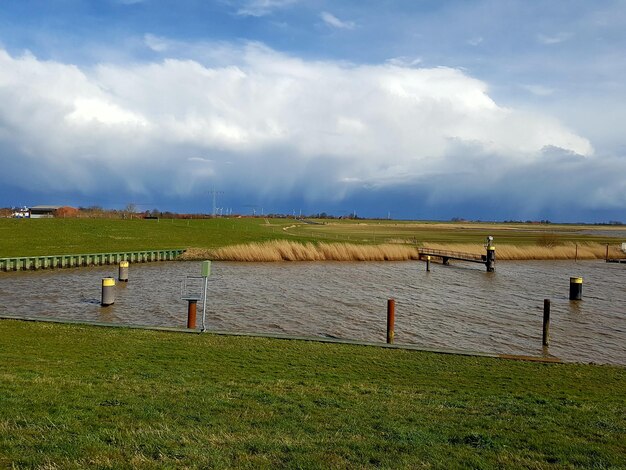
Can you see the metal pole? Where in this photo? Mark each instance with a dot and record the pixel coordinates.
(206, 281)
(491, 259)
(108, 292)
(123, 271)
(575, 288)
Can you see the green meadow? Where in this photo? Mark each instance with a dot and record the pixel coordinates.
(24, 237)
(77, 397)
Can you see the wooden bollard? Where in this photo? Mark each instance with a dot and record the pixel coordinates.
(428, 264)
(191, 314)
(546, 322)
(391, 314)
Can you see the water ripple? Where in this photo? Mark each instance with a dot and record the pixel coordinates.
(454, 307)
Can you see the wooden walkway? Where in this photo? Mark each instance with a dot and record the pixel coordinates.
(446, 255)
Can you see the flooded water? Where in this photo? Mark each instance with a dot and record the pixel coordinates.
(456, 307)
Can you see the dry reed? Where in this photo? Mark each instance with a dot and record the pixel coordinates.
(533, 252)
(284, 250)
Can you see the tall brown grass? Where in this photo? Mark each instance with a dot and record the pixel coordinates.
(284, 250)
(530, 252)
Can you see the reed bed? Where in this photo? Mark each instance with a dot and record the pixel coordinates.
(284, 250)
(532, 252)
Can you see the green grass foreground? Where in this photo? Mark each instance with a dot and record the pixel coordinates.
(74, 396)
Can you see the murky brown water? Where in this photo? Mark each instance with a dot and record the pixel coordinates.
(457, 307)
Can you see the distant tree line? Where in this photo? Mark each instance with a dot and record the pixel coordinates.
(130, 212)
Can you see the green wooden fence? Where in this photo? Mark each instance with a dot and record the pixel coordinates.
(26, 263)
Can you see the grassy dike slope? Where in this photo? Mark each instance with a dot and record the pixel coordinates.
(82, 396)
(33, 237)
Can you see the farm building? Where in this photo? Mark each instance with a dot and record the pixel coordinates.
(40, 212)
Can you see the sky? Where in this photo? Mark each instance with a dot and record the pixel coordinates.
(415, 109)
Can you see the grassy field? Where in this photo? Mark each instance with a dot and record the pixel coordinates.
(88, 397)
(68, 236)
(23, 237)
(377, 231)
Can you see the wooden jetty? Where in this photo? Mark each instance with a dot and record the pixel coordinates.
(488, 259)
(446, 255)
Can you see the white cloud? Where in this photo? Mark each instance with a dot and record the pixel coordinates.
(538, 90)
(267, 121)
(156, 43)
(404, 61)
(263, 7)
(554, 38)
(334, 22)
(102, 111)
(475, 41)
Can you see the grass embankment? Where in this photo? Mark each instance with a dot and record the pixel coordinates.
(78, 396)
(337, 240)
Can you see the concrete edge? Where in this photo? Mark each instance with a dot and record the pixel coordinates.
(279, 336)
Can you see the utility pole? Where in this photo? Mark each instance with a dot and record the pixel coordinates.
(214, 193)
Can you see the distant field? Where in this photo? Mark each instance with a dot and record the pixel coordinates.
(33, 237)
(463, 233)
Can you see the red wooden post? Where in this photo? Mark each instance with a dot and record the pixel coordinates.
(191, 314)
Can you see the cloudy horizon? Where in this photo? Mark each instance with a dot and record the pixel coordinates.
(472, 110)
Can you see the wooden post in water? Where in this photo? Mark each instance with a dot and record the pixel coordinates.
(391, 314)
(428, 264)
(546, 322)
(191, 314)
